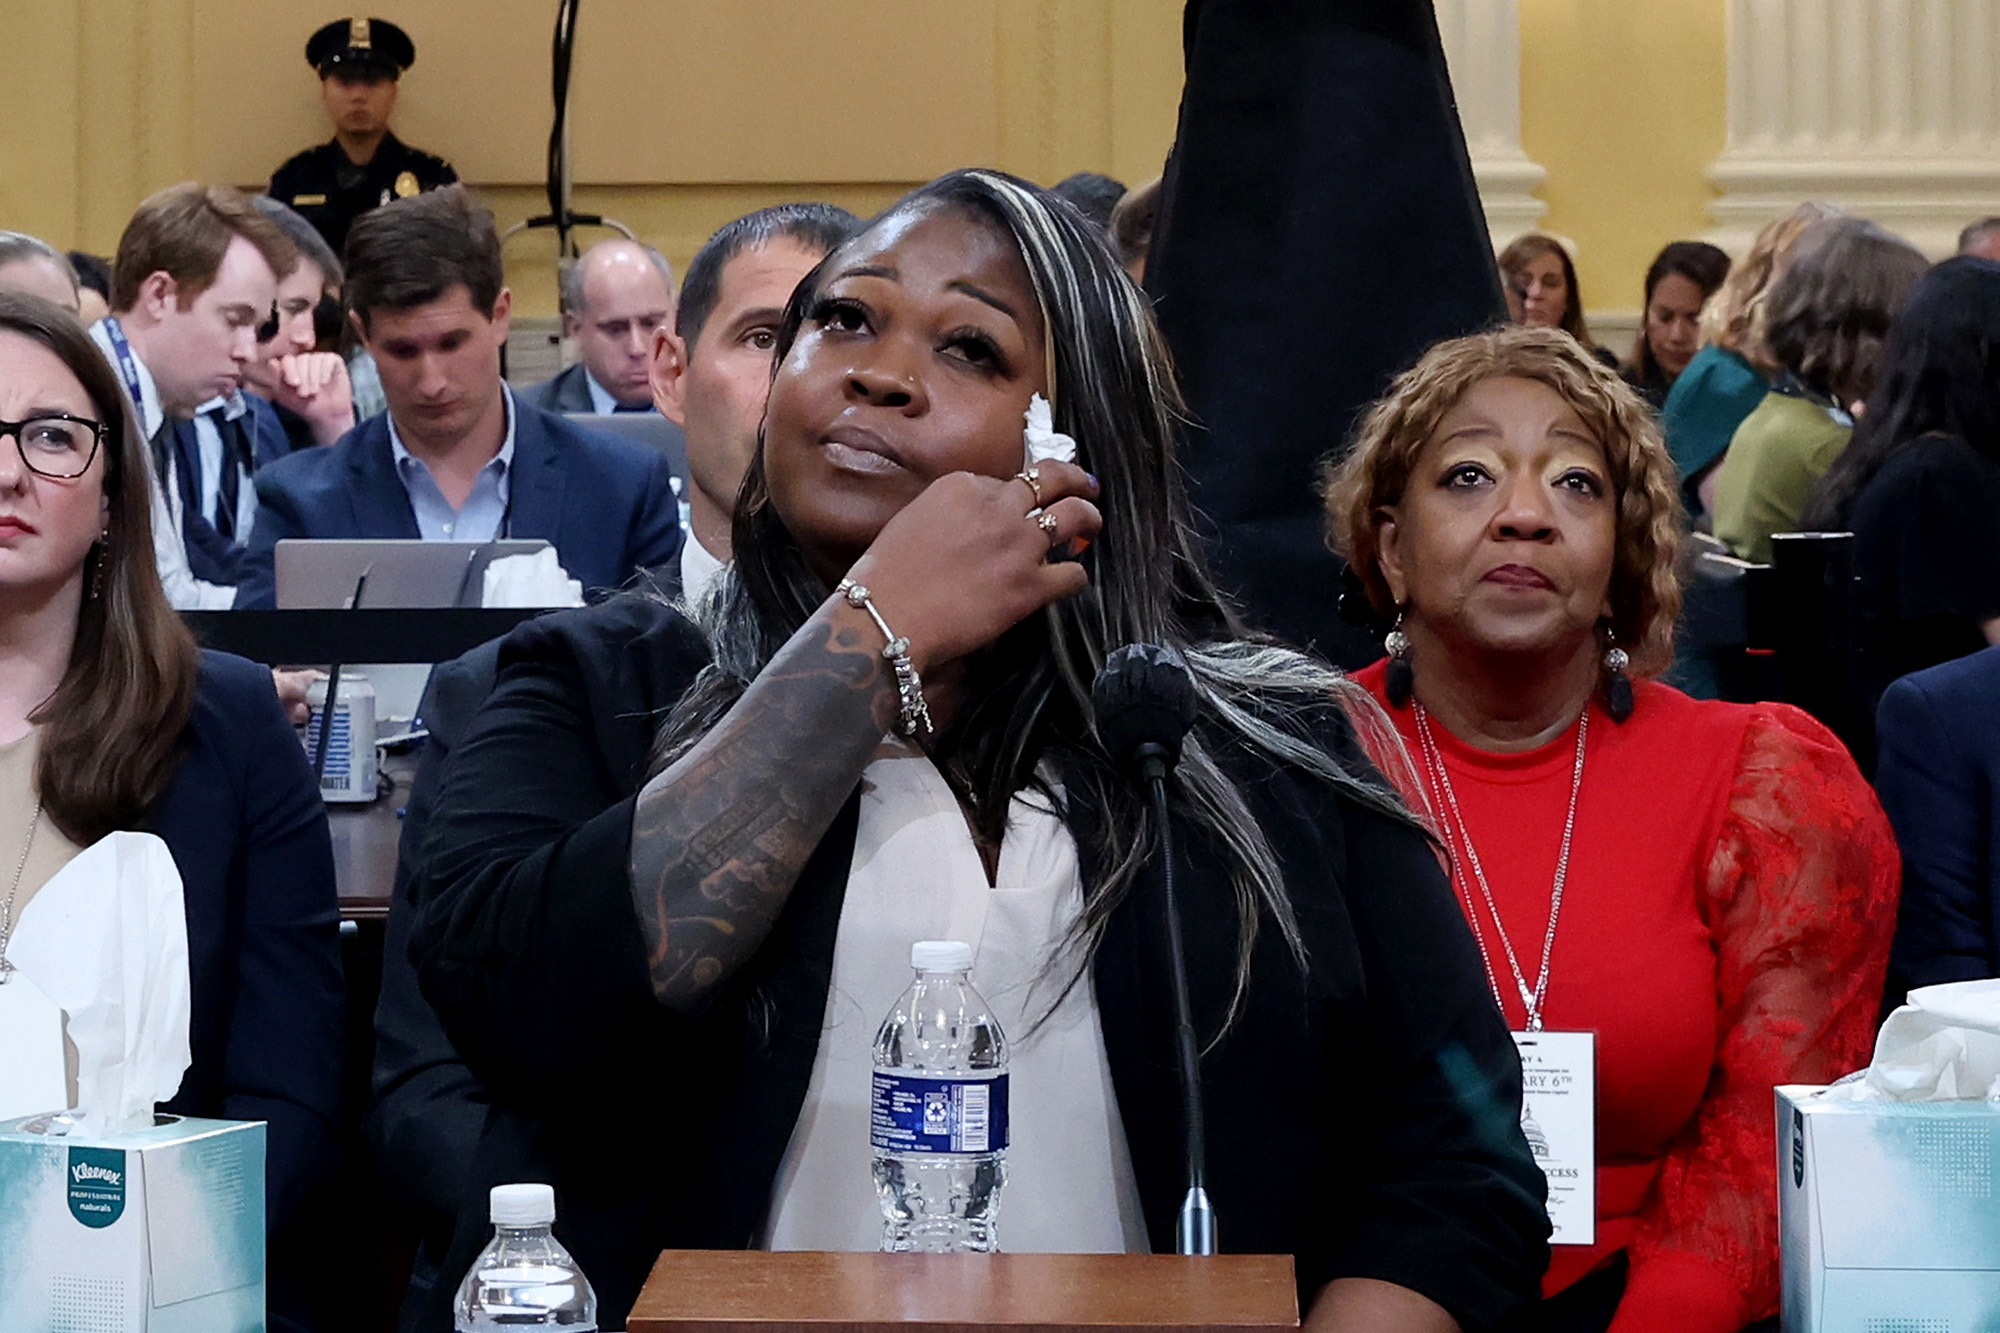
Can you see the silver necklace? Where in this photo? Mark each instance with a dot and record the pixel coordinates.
(1531, 999)
(7, 969)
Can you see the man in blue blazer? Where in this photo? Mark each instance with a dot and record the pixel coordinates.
(458, 457)
(1937, 771)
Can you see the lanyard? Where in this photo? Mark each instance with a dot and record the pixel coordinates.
(114, 332)
(1531, 998)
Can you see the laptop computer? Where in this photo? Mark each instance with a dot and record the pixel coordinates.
(319, 574)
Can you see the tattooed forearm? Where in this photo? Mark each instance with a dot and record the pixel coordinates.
(719, 838)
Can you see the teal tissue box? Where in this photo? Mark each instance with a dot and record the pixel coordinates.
(160, 1230)
(1889, 1215)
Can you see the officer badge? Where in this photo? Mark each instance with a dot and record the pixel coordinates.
(406, 185)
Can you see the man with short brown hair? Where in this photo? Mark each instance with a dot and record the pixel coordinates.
(196, 273)
(457, 457)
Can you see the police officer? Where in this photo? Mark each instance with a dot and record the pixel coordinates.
(363, 166)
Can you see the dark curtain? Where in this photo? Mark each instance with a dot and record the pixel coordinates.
(1319, 228)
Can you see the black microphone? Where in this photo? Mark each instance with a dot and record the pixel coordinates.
(1144, 703)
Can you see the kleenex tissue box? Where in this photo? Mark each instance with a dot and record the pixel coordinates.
(159, 1230)
(1889, 1214)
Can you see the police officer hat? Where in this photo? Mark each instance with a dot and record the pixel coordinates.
(363, 48)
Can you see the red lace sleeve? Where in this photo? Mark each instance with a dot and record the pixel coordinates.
(1800, 897)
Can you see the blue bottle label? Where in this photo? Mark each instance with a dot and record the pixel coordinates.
(910, 1113)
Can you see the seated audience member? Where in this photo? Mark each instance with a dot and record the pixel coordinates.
(1937, 767)
(1540, 280)
(111, 719)
(310, 388)
(1132, 227)
(712, 372)
(1678, 284)
(218, 451)
(1981, 239)
(439, 1138)
(1731, 373)
(30, 265)
(1919, 486)
(196, 274)
(457, 457)
(93, 285)
(1828, 315)
(1092, 194)
(598, 790)
(613, 299)
(1724, 881)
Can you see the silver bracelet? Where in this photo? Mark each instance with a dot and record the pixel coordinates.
(914, 716)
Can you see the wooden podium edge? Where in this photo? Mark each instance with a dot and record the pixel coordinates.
(741, 1291)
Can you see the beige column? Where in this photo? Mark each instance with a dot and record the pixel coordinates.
(1887, 107)
(1482, 45)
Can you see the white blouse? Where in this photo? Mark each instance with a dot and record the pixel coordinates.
(917, 875)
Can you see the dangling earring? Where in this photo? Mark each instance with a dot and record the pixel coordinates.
(103, 554)
(1400, 678)
(1617, 685)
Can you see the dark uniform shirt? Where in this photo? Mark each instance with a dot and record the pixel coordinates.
(330, 191)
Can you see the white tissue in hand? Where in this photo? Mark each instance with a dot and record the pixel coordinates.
(1041, 440)
(1942, 1046)
(530, 582)
(106, 939)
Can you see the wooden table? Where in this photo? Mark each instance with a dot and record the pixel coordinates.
(365, 839)
(736, 1291)
(364, 855)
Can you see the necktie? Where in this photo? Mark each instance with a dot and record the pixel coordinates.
(235, 466)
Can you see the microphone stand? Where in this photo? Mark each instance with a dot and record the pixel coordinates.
(561, 218)
(1194, 1230)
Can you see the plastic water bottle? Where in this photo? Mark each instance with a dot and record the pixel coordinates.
(938, 1111)
(524, 1278)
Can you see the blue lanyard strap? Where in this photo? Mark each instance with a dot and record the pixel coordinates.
(128, 367)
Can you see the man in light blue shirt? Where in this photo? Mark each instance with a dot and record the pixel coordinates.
(481, 515)
(457, 457)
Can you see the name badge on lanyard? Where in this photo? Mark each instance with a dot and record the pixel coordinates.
(1559, 1117)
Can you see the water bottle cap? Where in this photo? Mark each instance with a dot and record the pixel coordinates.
(941, 956)
(523, 1205)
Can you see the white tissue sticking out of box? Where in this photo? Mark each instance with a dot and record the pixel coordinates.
(106, 939)
(530, 582)
(1942, 1046)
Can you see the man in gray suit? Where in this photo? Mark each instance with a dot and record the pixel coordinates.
(613, 299)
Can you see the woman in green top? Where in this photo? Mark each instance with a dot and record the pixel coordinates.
(1730, 374)
(1829, 313)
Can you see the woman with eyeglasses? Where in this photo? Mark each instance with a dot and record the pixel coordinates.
(111, 719)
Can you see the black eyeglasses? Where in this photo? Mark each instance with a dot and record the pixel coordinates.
(58, 445)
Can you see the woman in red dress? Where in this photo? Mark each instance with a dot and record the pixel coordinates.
(1706, 889)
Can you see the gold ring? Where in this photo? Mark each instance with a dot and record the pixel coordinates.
(1047, 523)
(1033, 476)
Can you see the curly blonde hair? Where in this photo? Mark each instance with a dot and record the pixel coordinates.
(1735, 318)
(1645, 582)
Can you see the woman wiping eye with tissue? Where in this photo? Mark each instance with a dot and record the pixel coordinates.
(143, 781)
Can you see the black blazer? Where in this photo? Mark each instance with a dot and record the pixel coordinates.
(606, 504)
(1363, 1117)
(1938, 774)
(247, 829)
